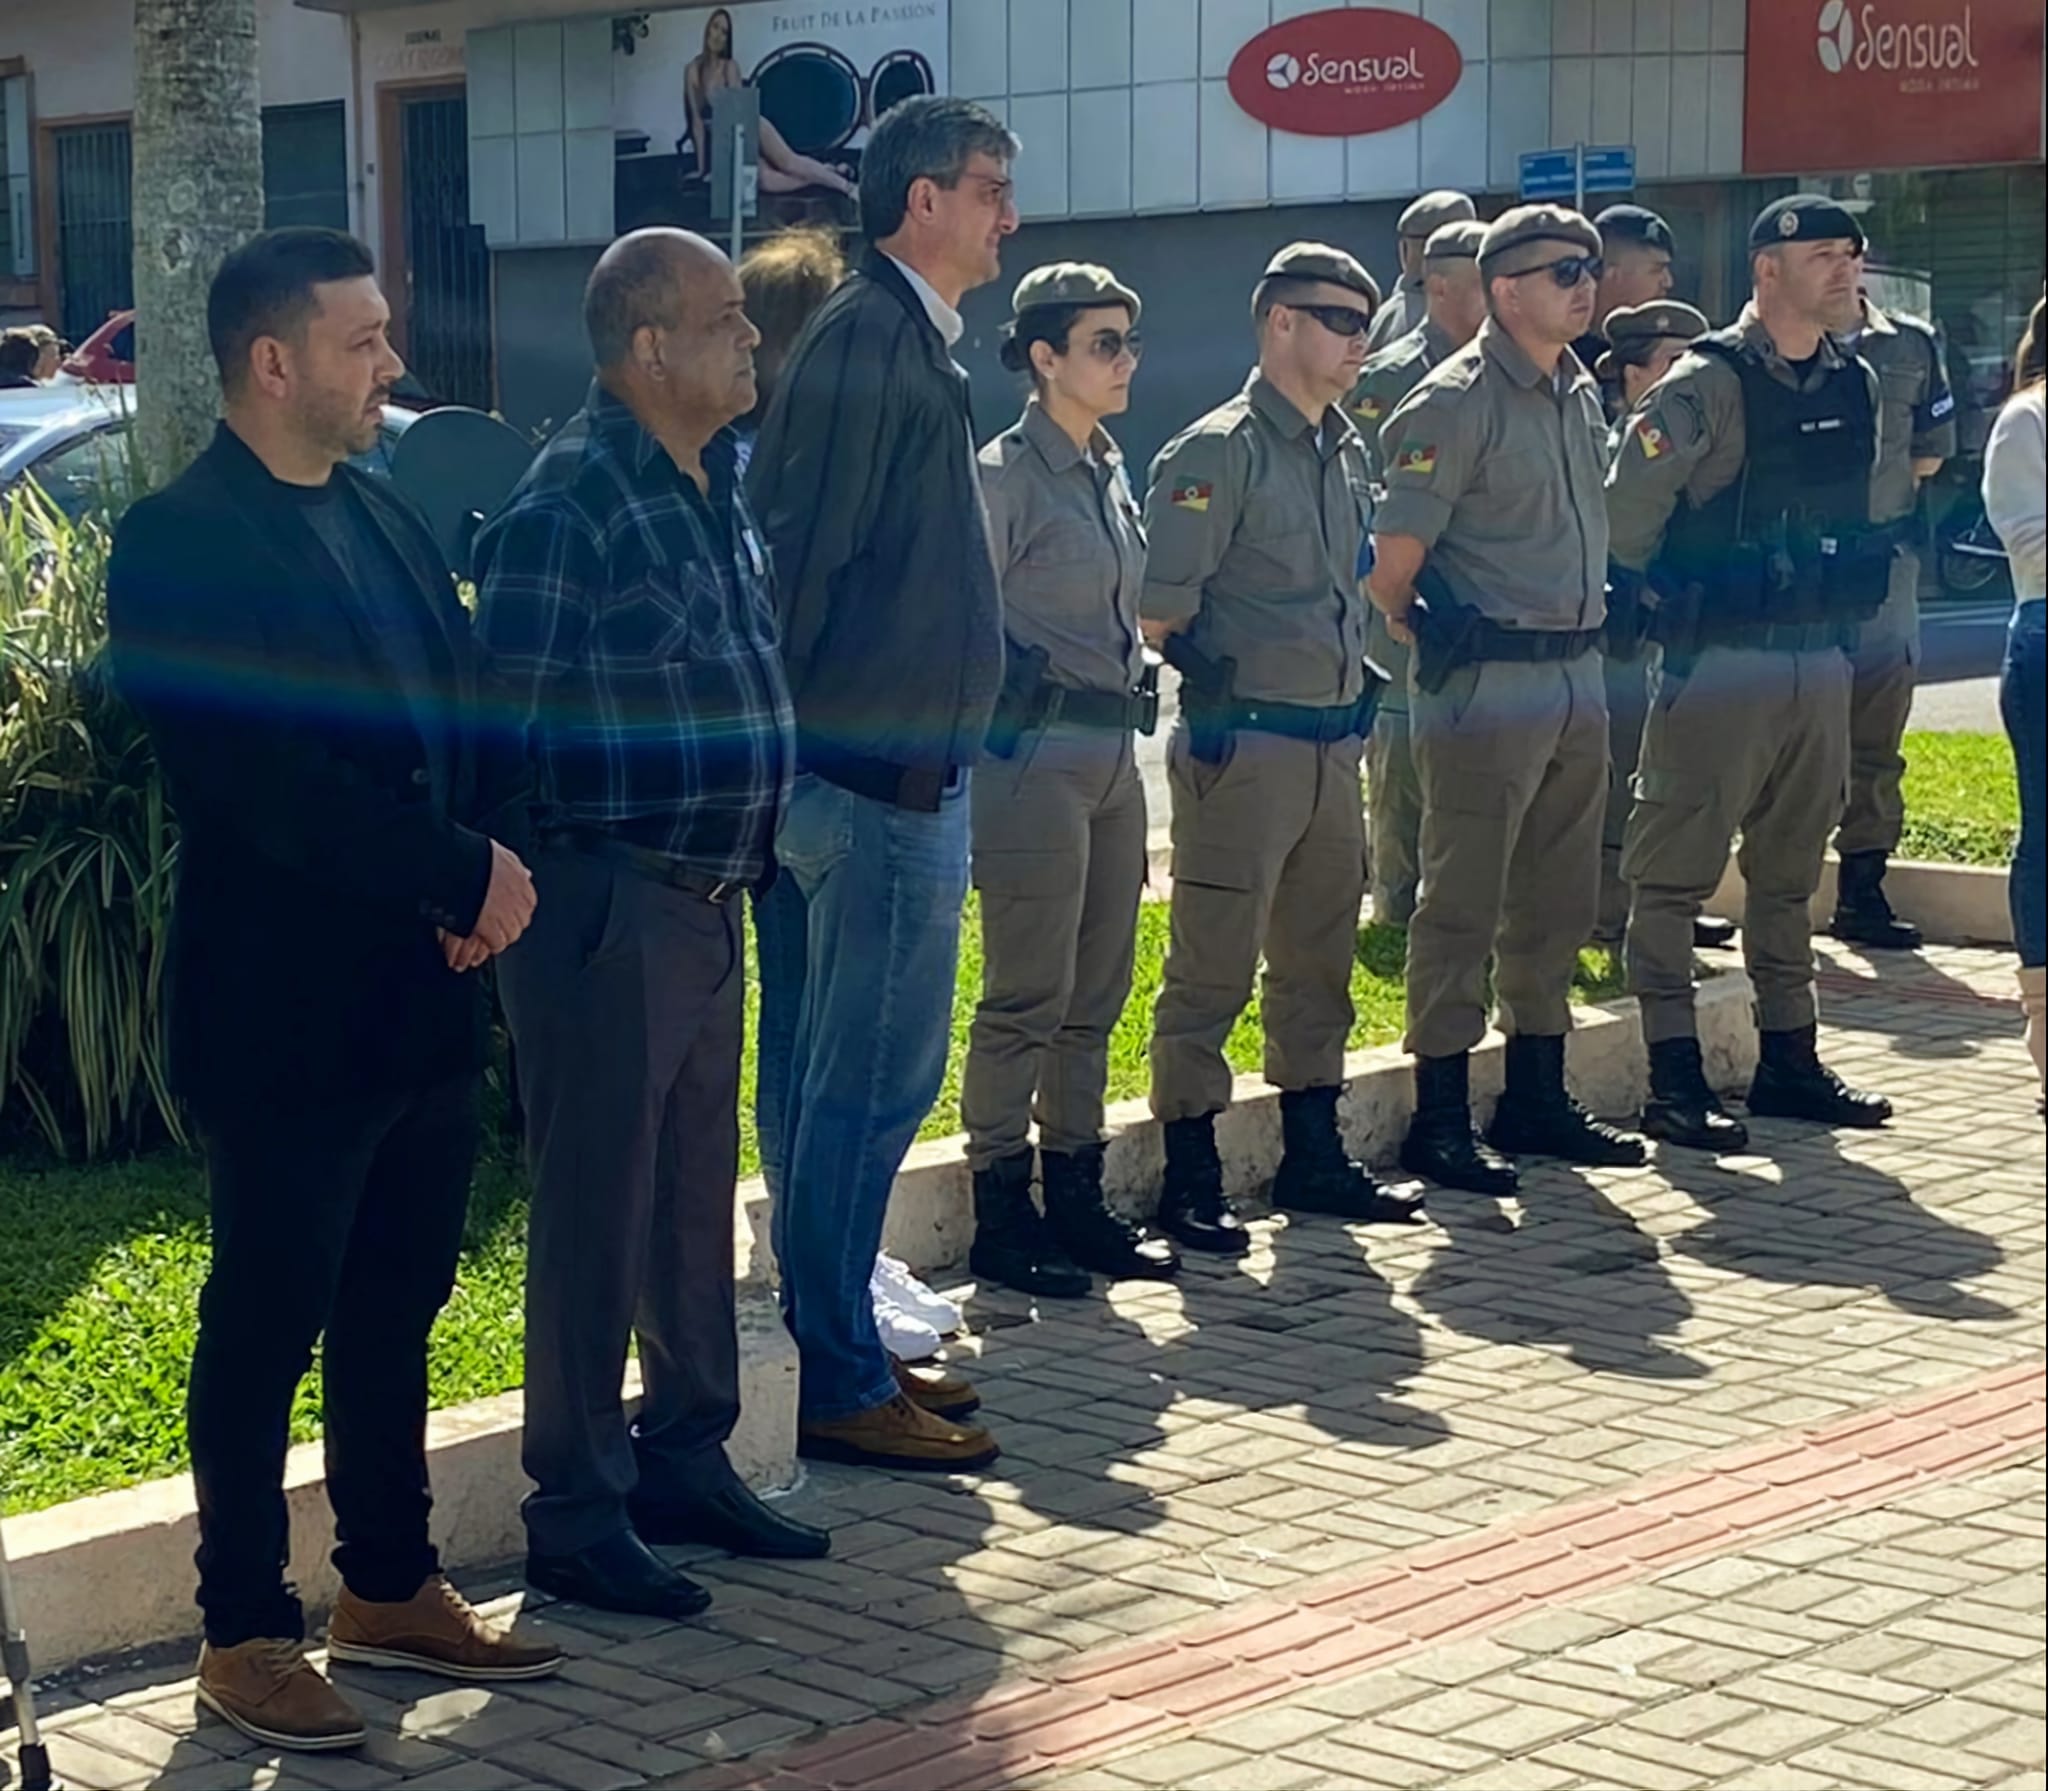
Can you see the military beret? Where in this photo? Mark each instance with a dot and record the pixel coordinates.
(1433, 209)
(1318, 261)
(1072, 283)
(1647, 323)
(1530, 235)
(1634, 224)
(1804, 218)
(1457, 241)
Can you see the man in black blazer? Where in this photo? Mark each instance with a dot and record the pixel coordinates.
(290, 634)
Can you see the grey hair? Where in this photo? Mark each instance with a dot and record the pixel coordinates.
(636, 284)
(927, 137)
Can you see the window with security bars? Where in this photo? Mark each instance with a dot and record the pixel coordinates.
(17, 232)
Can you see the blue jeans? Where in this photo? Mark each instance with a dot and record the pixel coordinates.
(882, 888)
(781, 923)
(2024, 704)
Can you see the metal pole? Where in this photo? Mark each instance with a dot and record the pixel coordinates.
(35, 1757)
(1579, 177)
(739, 184)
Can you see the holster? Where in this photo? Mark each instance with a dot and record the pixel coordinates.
(1628, 615)
(1443, 629)
(1207, 689)
(1026, 696)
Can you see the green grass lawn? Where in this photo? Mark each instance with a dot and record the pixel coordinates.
(1962, 799)
(101, 1266)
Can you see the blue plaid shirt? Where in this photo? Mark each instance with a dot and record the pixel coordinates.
(630, 626)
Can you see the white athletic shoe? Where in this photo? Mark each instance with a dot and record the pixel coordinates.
(904, 1335)
(896, 1283)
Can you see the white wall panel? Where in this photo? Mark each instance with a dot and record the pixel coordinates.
(980, 46)
(1653, 27)
(1613, 100)
(1386, 165)
(1518, 118)
(1614, 27)
(1724, 115)
(1571, 101)
(1454, 136)
(1692, 24)
(1731, 24)
(1165, 146)
(1652, 109)
(1227, 26)
(1688, 155)
(1165, 40)
(1305, 167)
(1464, 21)
(1233, 151)
(1040, 121)
(1099, 158)
(1571, 27)
(1099, 43)
(1038, 48)
(1519, 28)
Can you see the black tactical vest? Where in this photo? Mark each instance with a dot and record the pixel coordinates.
(1790, 542)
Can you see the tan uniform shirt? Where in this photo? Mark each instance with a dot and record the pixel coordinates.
(1070, 549)
(1496, 468)
(1916, 409)
(1687, 437)
(1255, 520)
(1388, 377)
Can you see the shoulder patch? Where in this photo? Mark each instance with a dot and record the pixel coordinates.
(1192, 494)
(1650, 436)
(1417, 458)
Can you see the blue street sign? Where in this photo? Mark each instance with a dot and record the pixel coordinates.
(1568, 173)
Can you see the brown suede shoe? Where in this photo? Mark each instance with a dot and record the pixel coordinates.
(900, 1434)
(269, 1690)
(937, 1388)
(434, 1631)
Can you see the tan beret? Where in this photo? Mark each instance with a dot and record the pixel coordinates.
(1530, 235)
(1318, 261)
(1457, 241)
(1432, 209)
(1633, 324)
(1072, 283)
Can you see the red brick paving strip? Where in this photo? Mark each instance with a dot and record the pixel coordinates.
(1263, 1650)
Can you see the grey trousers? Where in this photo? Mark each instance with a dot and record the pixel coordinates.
(625, 1001)
(1268, 858)
(1628, 707)
(1059, 859)
(1513, 760)
(1884, 671)
(1393, 797)
(1749, 742)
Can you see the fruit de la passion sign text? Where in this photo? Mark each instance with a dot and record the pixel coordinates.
(1345, 73)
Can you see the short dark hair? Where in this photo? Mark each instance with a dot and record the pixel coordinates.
(1050, 324)
(925, 137)
(19, 353)
(634, 285)
(1280, 289)
(265, 288)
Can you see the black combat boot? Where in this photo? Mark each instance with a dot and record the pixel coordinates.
(1683, 1109)
(1711, 933)
(1317, 1174)
(1441, 1143)
(1792, 1083)
(1863, 913)
(1012, 1244)
(1538, 1117)
(1192, 1204)
(1088, 1232)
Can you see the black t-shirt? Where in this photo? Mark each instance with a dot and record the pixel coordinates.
(399, 619)
(1803, 371)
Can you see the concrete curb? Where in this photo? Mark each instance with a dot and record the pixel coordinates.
(112, 1573)
(1953, 904)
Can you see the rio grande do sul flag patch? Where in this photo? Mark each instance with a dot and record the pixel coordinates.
(1650, 437)
(1192, 494)
(1418, 458)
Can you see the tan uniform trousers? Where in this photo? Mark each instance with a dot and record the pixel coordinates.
(1750, 742)
(1268, 857)
(1884, 668)
(1059, 859)
(1628, 706)
(1513, 760)
(1393, 797)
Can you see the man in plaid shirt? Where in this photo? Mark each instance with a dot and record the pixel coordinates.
(627, 611)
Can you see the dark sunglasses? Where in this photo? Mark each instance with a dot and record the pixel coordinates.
(1113, 345)
(1339, 320)
(1568, 272)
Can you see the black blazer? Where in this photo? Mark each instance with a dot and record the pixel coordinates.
(316, 858)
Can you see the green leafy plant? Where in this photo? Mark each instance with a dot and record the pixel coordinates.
(87, 850)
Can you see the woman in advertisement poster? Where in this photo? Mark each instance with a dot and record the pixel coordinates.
(715, 70)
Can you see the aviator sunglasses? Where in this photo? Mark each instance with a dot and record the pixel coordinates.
(1113, 345)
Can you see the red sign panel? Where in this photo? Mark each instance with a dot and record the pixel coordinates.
(1345, 73)
(1838, 85)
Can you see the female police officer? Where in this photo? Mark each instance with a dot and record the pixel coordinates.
(1058, 809)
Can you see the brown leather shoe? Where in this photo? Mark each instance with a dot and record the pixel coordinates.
(937, 1388)
(269, 1690)
(434, 1631)
(900, 1434)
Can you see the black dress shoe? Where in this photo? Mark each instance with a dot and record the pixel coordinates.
(618, 1574)
(1711, 933)
(731, 1518)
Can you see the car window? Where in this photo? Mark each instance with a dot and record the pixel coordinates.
(122, 346)
(83, 475)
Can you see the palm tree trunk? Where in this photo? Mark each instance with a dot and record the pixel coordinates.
(198, 194)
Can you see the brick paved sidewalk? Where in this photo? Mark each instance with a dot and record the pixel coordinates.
(1772, 1406)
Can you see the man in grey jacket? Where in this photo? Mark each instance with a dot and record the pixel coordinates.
(865, 482)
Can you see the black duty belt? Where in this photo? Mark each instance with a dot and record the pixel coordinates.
(1116, 711)
(1532, 646)
(658, 867)
(1299, 721)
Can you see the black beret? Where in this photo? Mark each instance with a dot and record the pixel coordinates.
(1635, 224)
(1804, 218)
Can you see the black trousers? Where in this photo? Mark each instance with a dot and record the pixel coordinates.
(625, 1002)
(340, 1224)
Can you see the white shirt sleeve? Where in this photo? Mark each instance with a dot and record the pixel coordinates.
(2016, 489)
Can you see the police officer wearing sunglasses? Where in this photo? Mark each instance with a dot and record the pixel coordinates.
(1492, 555)
(1257, 518)
(1058, 807)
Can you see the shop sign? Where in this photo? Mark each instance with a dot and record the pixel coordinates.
(1853, 84)
(1346, 72)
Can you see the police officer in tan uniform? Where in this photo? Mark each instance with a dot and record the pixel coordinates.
(1491, 553)
(1456, 306)
(1639, 346)
(1742, 496)
(1916, 433)
(1404, 307)
(1058, 808)
(1256, 518)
